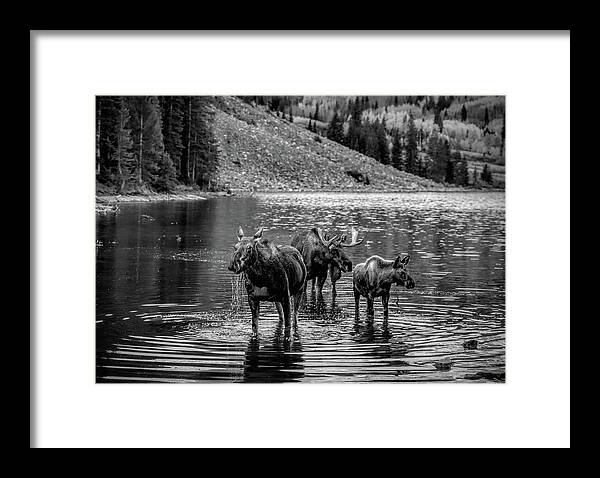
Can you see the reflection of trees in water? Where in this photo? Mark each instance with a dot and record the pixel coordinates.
(143, 263)
(276, 361)
(126, 270)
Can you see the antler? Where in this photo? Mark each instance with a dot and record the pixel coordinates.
(353, 241)
(325, 242)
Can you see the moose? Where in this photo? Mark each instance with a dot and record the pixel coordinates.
(272, 273)
(335, 272)
(374, 278)
(322, 254)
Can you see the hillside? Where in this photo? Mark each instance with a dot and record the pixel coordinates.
(472, 124)
(259, 151)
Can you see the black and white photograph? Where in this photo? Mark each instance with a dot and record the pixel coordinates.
(300, 238)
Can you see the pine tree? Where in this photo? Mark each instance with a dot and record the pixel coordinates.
(173, 112)
(184, 172)
(353, 136)
(449, 164)
(107, 121)
(124, 155)
(503, 137)
(439, 153)
(463, 114)
(486, 120)
(397, 152)
(154, 166)
(438, 120)
(202, 148)
(437, 172)
(310, 124)
(383, 145)
(461, 173)
(411, 146)
(486, 174)
(335, 131)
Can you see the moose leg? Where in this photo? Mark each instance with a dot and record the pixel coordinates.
(297, 300)
(286, 306)
(279, 311)
(305, 292)
(370, 309)
(255, 308)
(356, 303)
(312, 290)
(334, 277)
(385, 298)
(320, 282)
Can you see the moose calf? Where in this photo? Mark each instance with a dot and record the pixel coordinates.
(374, 278)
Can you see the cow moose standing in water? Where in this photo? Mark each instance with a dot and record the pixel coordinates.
(272, 273)
(374, 278)
(322, 254)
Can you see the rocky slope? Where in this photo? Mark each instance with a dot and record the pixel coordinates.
(260, 151)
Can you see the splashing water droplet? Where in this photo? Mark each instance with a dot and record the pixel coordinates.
(237, 293)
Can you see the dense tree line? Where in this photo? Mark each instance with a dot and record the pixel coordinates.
(148, 142)
(409, 150)
(464, 108)
(474, 124)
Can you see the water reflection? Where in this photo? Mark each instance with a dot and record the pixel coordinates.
(368, 332)
(277, 361)
(168, 309)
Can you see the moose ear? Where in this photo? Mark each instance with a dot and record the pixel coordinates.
(240, 233)
(406, 260)
(397, 263)
(258, 233)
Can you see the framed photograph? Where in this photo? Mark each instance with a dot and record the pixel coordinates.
(300, 238)
(269, 228)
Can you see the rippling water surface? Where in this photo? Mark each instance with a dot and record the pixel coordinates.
(168, 310)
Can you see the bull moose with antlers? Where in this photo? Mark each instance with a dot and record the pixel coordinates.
(273, 273)
(322, 254)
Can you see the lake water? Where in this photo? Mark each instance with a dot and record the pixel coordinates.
(168, 310)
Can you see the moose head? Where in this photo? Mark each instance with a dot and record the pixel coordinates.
(335, 245)
(400, 275)
(244, 251)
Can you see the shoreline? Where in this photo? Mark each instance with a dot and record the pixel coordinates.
(106, 200)
(106, 203)
(154, 197)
